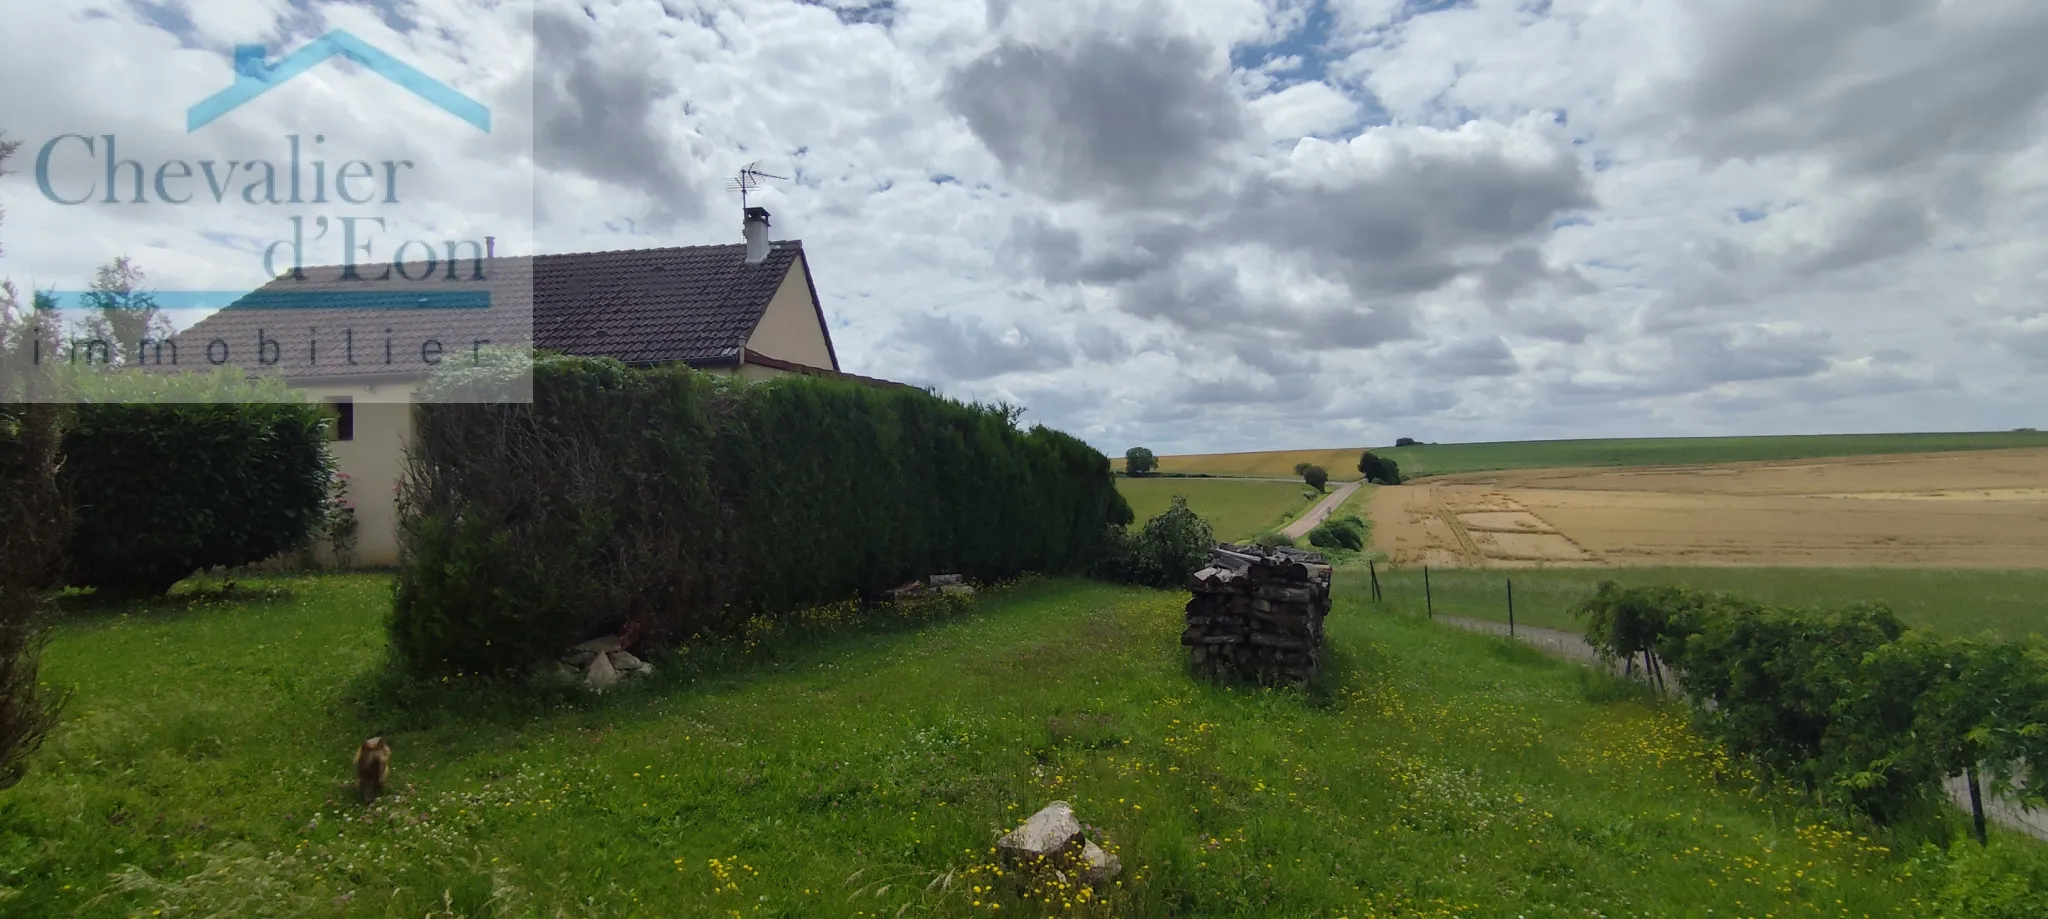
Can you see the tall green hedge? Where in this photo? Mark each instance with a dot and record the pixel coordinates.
(671, 503)
(170, 474)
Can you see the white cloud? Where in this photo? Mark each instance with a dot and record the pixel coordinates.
(1305, 110)
(1586, 217)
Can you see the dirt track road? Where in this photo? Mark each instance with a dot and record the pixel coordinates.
(1320, 512)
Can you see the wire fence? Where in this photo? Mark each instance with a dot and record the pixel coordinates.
(1473, 593)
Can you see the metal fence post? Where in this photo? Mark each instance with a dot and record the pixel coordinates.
(1511, 607)
(1428, 600)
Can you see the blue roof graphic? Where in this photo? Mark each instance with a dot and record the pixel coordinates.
(254, 77)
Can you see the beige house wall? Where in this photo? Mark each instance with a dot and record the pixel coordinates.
(791, 329)
(374, 461)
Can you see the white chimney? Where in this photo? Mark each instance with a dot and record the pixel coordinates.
(757, 235)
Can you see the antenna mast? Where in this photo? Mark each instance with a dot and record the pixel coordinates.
(749, 178)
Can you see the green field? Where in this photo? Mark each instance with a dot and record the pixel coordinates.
(1234, 509)
(1964, 602)
(1340, 462)
(1435, 773)
(1446, 459)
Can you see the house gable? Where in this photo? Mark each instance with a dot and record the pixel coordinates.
(792, 328)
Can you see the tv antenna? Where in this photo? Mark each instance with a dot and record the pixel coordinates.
(749, 179)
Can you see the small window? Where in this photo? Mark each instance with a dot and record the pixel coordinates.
(344, 410)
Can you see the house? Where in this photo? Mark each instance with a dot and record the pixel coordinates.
(746, 309)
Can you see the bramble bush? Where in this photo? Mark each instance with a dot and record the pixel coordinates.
(672, 503)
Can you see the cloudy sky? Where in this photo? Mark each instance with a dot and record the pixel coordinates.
(1253, 224)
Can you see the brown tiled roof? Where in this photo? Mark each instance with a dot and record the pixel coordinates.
(776, 363)
(692, 304)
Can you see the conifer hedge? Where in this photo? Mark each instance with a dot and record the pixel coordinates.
(168, 474)
(672, 503)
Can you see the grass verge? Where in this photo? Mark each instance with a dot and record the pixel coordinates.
(1962, 602)
(1432, 773)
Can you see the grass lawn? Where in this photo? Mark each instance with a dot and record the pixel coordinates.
(1235, 509)
(1444, 459)
(1953, 601)
(1437, 773)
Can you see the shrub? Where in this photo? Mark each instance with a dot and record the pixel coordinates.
(1140, 461)
(670, 503)
(1315, 476)
(1379, 470)
(32, 524)
(168, 475)
(1275, 538)
(1404, 441)
(1168, 550)
(1346, 532)
(1847, 703)
(1623, 623)
(339, 529)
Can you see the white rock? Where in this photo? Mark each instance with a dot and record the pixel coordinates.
(1047, 833)
(601, 675)
(941, 580)
(578, 659)
(622, 660)
(600, 645)
(1102, 866)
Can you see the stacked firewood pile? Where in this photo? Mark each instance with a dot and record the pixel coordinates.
(1257, 614)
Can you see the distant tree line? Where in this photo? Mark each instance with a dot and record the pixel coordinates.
(1379, 470)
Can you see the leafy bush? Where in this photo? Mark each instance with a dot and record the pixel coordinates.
(170, 474)
(1346, 532)
(1140, 461)
(1168, 550)
(1315, 476)
(1847, 703)
(1275, 538)
(1995, 882)
(1379, 470)
(1624, 623)
(670, 503)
